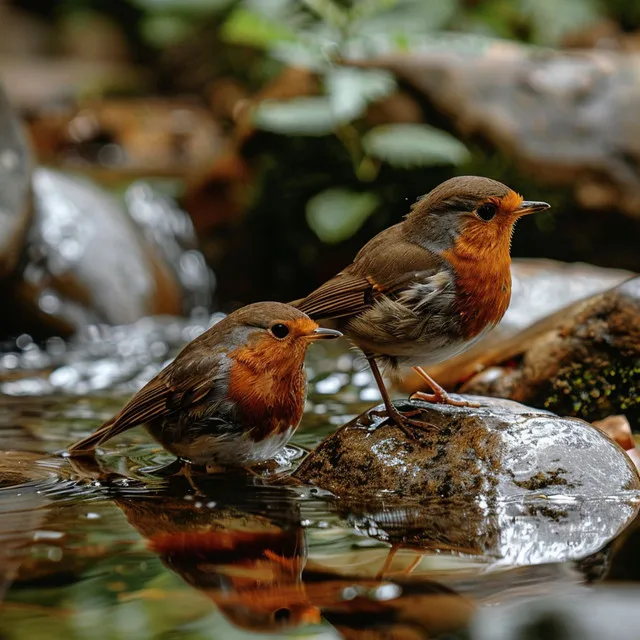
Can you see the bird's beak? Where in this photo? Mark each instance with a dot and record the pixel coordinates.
(323, 334)
(530, 206)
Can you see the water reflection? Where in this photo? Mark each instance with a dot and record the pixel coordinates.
(245, 549)
(274, 556)
(243, 544)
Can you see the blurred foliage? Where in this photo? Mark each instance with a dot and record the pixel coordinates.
(331, 153)
(336, 214)
(317, 34)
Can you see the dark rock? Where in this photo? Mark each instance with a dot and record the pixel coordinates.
(498, 450)
(506, 482)
(15, 171)
(583, 361)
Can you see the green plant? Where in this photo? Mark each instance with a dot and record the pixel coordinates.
(324, 36)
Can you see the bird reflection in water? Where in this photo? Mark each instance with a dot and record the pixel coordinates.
(223, 544)
(242, 544)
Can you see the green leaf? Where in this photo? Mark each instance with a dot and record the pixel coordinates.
(300, 54)
(336, 214)
(552, 19)
(329, 11)
(304, 116)
(414, 145)
(254, 29)
(350, 90)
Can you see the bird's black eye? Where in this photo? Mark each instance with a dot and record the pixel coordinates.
(486, 211)
(280, 331)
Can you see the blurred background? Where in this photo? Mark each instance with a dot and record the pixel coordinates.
(179, 155)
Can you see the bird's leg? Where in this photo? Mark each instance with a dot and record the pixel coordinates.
(402, 420)
(439, 395)
(414, 564)
(387, 562)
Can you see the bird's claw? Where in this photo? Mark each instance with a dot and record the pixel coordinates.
(443, 398)
(404, 421)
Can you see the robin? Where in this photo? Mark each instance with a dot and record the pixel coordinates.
(430, 287)
(233, 396)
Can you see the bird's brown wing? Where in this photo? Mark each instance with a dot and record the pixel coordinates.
(343, 295)
(385, 265)
(176, 387)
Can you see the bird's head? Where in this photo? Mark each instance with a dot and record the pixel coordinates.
(271, 335)
(469, 214)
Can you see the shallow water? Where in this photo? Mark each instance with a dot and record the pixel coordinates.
(126, 548)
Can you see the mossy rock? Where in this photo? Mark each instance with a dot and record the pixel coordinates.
(502, 481)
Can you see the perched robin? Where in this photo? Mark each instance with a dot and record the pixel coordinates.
(428, 288)
(233, 396)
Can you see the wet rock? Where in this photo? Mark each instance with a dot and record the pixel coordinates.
(583, 361)
(169, 229)
(498, 450)
(566, 118)
(504, 482)
(87, 263)
(15, 170)
(540, 288)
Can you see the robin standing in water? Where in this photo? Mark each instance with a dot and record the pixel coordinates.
(430, 287)
(233, 396)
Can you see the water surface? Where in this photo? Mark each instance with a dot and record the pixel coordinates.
(124, 547)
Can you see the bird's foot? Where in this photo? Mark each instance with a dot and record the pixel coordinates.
(439, 395)
(443, 398)
(404, 421)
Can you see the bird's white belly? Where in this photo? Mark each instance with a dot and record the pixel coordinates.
(232, 450)
(424, 353)
(416, 354)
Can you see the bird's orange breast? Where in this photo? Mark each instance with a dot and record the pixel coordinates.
(483, 285)
(269, 392)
